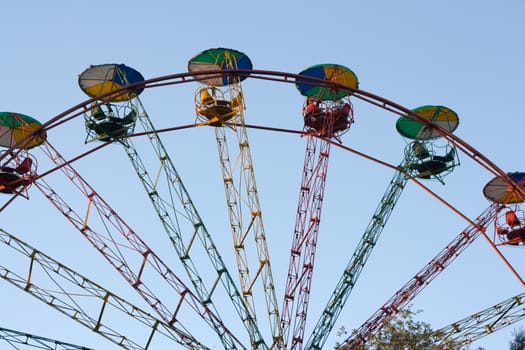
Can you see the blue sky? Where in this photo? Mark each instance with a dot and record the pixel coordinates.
(467, 56)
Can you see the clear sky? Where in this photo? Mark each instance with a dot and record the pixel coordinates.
(466, 55)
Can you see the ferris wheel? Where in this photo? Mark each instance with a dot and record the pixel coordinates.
(191, 292)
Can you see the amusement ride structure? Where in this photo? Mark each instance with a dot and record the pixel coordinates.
(183, 302)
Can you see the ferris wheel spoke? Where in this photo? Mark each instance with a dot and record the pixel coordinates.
(137, 251)
(355, 265)
(301, 265)
(250, 226)
(65, 290)
(508, 230)
(220, 103)
(409, 291)
(327, 113)
(482, 323)
(16, 337)
(244, 226)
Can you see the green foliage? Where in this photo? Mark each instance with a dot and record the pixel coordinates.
(518, 343)
(403, 332)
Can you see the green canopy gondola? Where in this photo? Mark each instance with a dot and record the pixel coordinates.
(15, 126)
(219, 59)
(409, 127)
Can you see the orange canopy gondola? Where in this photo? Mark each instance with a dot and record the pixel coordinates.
(220, 60)
(499, 191)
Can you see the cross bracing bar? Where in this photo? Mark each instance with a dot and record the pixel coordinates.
(74, 295)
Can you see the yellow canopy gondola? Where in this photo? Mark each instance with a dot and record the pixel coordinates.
(16, 126)
(408, 126)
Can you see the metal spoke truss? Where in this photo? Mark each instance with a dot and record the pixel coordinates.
(242, 202)
(308, 217)
(408, 292)
(20, 340)
(485, 322)
(86, 302)
(357, 262)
